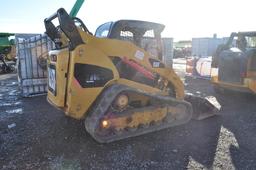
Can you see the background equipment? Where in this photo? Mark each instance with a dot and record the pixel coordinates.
(236, 63)
(7, 52)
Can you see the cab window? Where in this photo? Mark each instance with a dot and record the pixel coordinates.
(103, 30)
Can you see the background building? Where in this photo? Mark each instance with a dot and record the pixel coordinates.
(206, 46)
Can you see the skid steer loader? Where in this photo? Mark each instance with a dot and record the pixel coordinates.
(236, 63)
(115, 80)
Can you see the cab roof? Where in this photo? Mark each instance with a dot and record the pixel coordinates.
(135, 26)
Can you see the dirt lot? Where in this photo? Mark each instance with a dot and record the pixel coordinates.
(41, 137)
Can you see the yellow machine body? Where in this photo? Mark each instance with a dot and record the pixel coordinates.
(96, 52)
(249, 85)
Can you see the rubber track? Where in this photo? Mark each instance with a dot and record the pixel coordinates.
(105, 100)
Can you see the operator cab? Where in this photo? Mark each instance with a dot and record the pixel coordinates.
(146, 35)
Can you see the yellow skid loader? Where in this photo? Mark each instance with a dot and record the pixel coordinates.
(236, 63)
(115, 80)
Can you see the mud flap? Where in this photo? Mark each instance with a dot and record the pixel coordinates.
(203, 107)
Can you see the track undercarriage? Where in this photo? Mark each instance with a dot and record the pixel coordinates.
(107, 123)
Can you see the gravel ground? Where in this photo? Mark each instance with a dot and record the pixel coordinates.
(41, 137)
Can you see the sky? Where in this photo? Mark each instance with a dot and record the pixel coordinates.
(184, 19)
